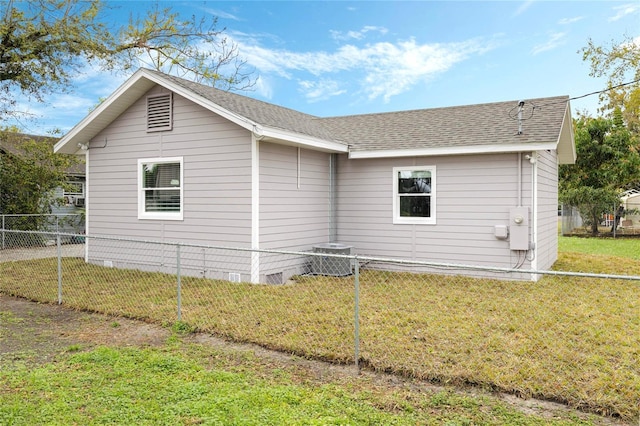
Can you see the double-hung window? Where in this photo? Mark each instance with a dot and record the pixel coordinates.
(414, 195)
(160, 188)
(73, 193)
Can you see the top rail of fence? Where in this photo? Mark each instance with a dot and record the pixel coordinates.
(362, 259)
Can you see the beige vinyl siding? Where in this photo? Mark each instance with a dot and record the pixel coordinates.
(217, 176)
(547, 238)
(292, 217)
(473, 194)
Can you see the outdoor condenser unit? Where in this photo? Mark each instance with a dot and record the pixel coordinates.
(333, 266)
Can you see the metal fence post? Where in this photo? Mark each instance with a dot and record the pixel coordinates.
(59, 251)
(179, 282)
(2, 232)
(357, 312)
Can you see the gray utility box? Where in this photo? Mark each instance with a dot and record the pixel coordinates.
(333, 266)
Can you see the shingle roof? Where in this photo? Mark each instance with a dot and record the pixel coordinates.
(469, 125)
(263, 113)
(490, 127)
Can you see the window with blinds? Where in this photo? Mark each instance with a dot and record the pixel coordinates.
(160, 112)
(160, 188)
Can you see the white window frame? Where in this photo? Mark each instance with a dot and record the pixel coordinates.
(69, 197)
(397, 219)
(142, 213)
(72, 182)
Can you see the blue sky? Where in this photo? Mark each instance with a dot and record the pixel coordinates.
(355, 57)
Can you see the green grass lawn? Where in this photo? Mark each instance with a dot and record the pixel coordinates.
(566, 339)
(188, 384)
(619, 247)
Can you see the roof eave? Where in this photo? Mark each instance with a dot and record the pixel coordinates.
(297, 139)
(104, 114)
(129, 92)
(460, 150)
(141, 82)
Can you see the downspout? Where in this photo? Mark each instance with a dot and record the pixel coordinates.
(534, 209)
(332, 198)
(87, 205)
(256, 136)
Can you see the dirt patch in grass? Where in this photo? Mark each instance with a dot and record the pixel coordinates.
(37, 333)
(34, 332)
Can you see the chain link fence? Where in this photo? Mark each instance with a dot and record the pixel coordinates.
(55, 223)
(570, 337)
(619, 221)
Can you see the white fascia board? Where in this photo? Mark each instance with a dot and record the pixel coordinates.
(462, 150)
(81, 132)
(256, 128)
(299, 139)
(205, 103)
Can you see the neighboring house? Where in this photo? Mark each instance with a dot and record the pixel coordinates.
(630, 201)
(71, 196)
(173, 160)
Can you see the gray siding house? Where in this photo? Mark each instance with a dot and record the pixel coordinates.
(172, 160)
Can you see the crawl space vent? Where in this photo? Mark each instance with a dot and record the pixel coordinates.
(159, 112)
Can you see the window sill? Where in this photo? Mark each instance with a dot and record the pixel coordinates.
(160, 216)
(414, 221)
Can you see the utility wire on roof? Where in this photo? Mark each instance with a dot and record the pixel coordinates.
(520, 107)
(584, 96)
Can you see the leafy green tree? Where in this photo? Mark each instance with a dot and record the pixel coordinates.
(619, 62)
(607, 161)
(43, 43)
(29, 173)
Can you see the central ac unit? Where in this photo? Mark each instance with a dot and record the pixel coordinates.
(329, 265)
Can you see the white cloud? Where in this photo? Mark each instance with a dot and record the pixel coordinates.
(523, 7)
(567, 21)
(624, 10)
(220, 14)
(263, 87)
(95, 81)
(320, 90)
(73, 103)
(357, 35)
(555, 40)
(381, 69)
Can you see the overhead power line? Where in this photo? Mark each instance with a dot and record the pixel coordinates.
(605, 90)
(534, 106)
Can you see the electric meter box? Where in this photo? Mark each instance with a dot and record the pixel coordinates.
(519, 228)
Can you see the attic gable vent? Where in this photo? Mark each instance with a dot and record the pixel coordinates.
(159, 112)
